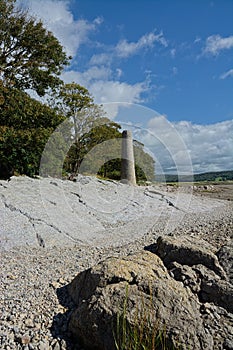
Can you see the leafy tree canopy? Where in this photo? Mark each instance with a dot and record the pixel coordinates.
(102, 152)
(19, 110)
(76, 103)
(25, 126)
(30, 56)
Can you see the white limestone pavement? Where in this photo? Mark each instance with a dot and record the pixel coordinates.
(51, 212)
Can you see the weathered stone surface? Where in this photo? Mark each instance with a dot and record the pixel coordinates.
(48, 212)
(100, 293)
(218, 292)
(194, 263)
(188, 251)
(225, 257)
(187, 275)
(33, 274)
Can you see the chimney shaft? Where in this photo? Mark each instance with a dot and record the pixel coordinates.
(127, 159)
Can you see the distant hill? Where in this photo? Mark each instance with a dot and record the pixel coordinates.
(211, 176)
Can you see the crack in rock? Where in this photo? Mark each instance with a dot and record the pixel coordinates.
(3, 185)
(33, 221)
(79, 198)
(147, 193)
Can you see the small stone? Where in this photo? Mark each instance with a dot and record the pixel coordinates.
(29, 323)
(15, 329)
(228, 344)
(43, 345)
(55, 285)
(11, 277)
(62, 281)
(56, 346)
(25, 339)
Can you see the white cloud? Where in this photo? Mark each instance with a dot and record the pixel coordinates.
(227, 74)
(166, 145)
(173, 52)
(115, 91)
(119, 72)
(100, 59)
(98, 80)
(197, 40)
(88, 77)
(215, 44)
(174, 70)
(57, 18)
(209, 146)
(125, 49)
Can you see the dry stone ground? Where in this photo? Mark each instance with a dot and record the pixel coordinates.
(48, 235)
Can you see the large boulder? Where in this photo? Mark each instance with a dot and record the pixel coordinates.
(194, 263)
(142, 287)
(189, 251)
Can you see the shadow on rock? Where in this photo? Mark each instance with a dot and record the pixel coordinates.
(60, 332)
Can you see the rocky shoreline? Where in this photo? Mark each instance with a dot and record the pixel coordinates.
(35, 306)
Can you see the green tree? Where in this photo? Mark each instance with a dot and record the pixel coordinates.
(76, 103)
(101, 144)
(30, 56)
(102, 154)
(145, 164)
(25, 126)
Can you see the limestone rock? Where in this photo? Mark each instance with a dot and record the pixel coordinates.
(225, 257)
(218, 292)
(188, 251)
(194, 264)
(144, 284)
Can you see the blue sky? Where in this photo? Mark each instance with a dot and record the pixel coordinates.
(183, 71)
(174, 57)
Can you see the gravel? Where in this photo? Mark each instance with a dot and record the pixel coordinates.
(34, 305)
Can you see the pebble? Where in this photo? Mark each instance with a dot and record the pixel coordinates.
(25, 339)
(34, 304)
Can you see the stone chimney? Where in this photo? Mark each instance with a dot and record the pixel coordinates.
(127, 159)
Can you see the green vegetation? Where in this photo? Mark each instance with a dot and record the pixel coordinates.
(32, 58)
(142, 334)
(25, 126)
(214, 176)
(217, 176)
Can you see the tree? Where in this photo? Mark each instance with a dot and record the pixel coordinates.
(25, 126)
(30, 56)
(102, 154)
(145, 164)
(75, 103)
(101, 144)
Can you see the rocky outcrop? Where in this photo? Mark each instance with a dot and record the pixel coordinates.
(193, 262)
(46, 212)
(185, 291)
(188, 251)
(100, 294)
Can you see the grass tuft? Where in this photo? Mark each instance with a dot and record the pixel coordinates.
(142, 334)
